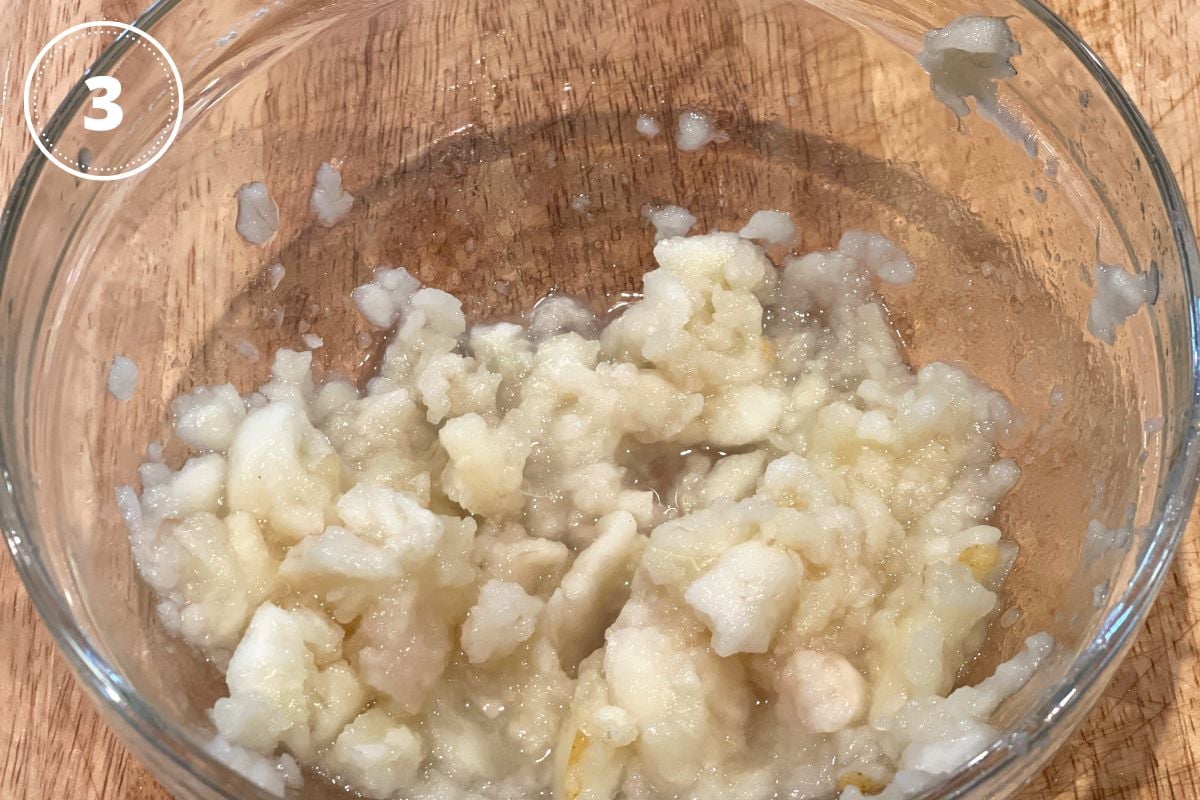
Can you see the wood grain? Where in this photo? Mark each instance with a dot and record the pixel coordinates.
(1137, 743)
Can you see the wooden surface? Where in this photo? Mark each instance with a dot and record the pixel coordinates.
(1137, 743)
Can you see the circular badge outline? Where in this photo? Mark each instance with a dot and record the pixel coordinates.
(137, 32)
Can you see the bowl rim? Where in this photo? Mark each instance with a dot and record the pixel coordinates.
(1003, 766)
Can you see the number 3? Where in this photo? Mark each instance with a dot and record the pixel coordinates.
(104, 102)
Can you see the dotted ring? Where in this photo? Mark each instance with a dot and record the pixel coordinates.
(162, 138)
(162, 135)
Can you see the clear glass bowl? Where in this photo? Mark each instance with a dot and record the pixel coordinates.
(465, 129)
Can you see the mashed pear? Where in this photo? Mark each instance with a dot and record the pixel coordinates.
(122, 378)
(728, 546)
(258, 215)
(329, 201)
(1119, 295)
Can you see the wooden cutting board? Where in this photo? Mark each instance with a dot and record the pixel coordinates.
(1141, 741)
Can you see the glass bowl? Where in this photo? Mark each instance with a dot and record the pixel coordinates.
(465, 130)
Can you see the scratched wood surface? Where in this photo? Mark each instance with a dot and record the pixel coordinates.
(1138, 742)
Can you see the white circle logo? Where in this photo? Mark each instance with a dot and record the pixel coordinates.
(96, 145)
